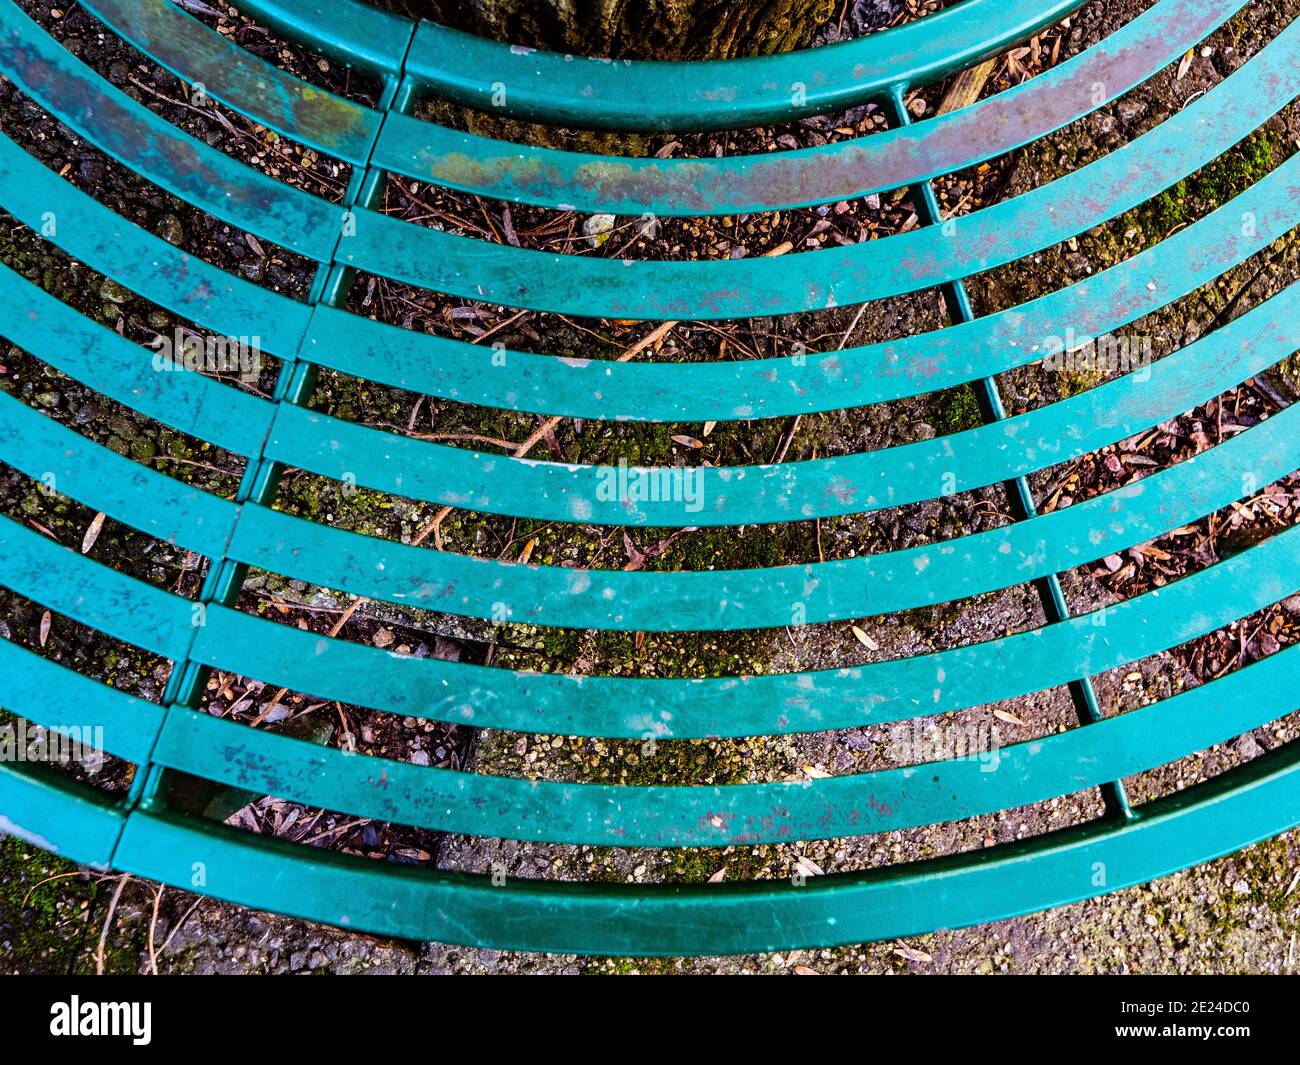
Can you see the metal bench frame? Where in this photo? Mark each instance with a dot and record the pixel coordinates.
(141, 833)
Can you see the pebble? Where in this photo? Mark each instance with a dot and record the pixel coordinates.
(598, 228)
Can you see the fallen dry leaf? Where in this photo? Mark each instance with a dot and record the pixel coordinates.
(1007, 716)
(911, 953)
(45, 627)
(92, 532)
(808, 867)
(864, 639)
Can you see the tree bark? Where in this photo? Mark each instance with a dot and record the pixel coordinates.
(635, 29)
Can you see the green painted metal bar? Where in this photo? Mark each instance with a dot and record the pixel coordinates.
(730, 185)
(742, 814)
(719, 94)
(1194, 825)
(741, 288)
(158, 271)
(711, 600)
(58, 814)
(56, 697)
(780, 180)
(278, 100)
(186, 167)
(642, 95)
(94, 594)
(110, 364)
(766, 704)
(351, 31)
(96, 477)
(793, 491)
(771, 704)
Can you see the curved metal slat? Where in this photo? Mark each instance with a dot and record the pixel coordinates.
(794, 491)
(612, 599)
(356, 33)
(741, 814)
(769, 704)
(58, 814)
(240, 80)
(780, 180)
(730, 185)
(158, 271)
(56, 697)
(1194, 825)
(718, 94)
(92, 594)
(101, 359)
(157, 505)
(819, 381)
(931, 255)
(713, 600)
(200, 175)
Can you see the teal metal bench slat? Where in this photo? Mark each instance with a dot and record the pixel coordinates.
(728, 495)
(183, 165)
(633, 601)
(93, 594)
(263, 92)
(170, 277)
(105, 481)
(818, 381)
(859, 804)
(741, 814)
(769, 704)
(730, 185)
(744, 288)
(1193, 825)
(57, 697)
(727, 94)
(100, 358)
(356, 33)
(58, 814)
(795, 491)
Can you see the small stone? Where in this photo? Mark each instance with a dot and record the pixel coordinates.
(383, 638)
(598, 228)
(113, 292)
(420, 758)
(1248, 747)
(1241, 888)
(171, 230)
